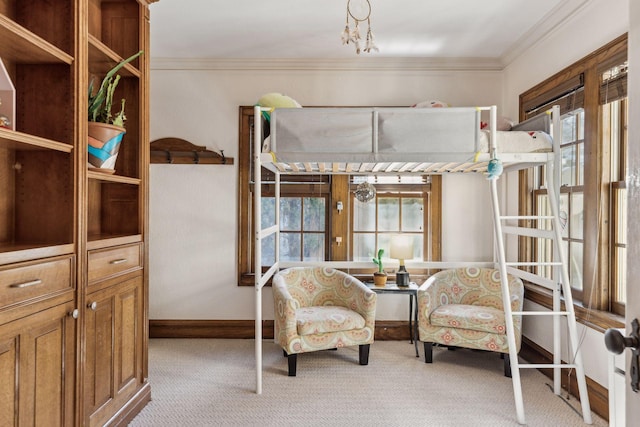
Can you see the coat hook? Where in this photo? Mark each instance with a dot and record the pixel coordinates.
(169, 158)
(196, 157)
(224, 159)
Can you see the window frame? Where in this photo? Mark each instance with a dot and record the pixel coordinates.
(596, 229)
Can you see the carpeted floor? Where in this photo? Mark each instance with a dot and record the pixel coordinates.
(211, 382)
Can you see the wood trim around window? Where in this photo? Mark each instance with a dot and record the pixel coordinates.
(596, 247)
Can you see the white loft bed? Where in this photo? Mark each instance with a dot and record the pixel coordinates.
(422, 141)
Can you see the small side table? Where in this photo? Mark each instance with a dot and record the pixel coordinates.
(412, 291)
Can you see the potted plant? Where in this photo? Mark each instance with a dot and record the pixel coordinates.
(379, 277)
(106, 130)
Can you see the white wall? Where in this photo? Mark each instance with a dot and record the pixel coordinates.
(194, 208)
(593, 26)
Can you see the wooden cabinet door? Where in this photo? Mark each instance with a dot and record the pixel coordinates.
(113, 350)
(37, 369)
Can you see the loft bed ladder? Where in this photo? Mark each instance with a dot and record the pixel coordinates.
(260, 278)
(560, 285)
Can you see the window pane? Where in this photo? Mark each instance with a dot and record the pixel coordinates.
(580, 177)
(268, 247)
(363, 246)
(568, 128)
(268, 217)
(621, 225)
(314, 213)
(388, 214)
(621, 285)
(290, 208)
(384, 242)
(290, 247)
(313, 247)
(577, 216)
(568, 165)
(580, 117)
(412, 214)
(364, 216)
(564, 215)
(418, 244)
(575, 261)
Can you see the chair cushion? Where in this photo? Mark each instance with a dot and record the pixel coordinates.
(320, 320)
(474, 317)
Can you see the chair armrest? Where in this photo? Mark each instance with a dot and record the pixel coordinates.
(285, 307)
(364, 302)
(428, 298)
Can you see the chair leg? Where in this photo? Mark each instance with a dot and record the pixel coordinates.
(292, 359)
(363, 351)
(507, 365)
(428, 352)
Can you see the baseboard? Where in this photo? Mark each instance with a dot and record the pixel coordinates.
(128, 412)
(598, 395)
(385, 330)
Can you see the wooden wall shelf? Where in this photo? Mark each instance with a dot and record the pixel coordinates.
(179, 151)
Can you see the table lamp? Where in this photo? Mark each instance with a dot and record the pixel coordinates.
(401, 249)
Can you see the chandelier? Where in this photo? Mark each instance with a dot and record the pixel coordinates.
(365, 192)
(359, 11)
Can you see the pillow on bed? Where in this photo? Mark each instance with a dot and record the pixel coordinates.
(431, 104)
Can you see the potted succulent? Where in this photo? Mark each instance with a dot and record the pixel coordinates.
(106, 130)
(379, 277)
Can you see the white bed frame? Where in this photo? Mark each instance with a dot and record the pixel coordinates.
(378, 149)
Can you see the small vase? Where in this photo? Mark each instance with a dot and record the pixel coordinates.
(380, 279)
(104, 143)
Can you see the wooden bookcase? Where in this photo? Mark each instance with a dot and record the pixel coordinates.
(73, 248)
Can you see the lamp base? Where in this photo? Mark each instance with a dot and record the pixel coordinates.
(402, 278)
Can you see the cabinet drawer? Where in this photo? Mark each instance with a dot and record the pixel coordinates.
(24, 281)
(105, 263)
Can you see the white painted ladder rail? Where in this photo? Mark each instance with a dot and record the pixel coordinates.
(560, 264)
(261, 279)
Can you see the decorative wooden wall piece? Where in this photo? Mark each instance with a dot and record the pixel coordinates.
(179, 151)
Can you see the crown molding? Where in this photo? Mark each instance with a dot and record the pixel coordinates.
(331, 64)
(556, 18)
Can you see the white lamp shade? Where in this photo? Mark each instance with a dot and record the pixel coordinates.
(401, 247)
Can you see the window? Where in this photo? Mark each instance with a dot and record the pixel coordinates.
(312, 226)
(593, 102)
(397, 209)
(302, 228)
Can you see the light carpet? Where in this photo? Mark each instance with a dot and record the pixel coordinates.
(211, 382)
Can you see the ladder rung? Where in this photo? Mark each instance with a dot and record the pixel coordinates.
(518, 217)
(530, 232)
(540, 313)
(547, 365)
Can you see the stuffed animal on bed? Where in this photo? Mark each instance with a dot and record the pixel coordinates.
(502, 124)
(431, 104)
(276, 100)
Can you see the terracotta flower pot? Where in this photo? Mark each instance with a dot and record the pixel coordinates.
(380, 279)
(104, 143)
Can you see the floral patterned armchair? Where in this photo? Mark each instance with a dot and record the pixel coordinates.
(320, 308)
(463, 308)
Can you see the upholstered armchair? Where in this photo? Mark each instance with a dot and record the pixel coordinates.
(463, 308)
(320, 308)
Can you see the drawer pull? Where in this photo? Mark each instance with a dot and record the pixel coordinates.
(26, 284)
(93, 306)
(118, 261)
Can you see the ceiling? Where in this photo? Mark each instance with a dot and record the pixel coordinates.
(306, 29)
